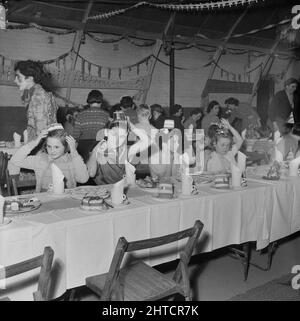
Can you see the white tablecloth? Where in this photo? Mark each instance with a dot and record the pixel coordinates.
(84, 241)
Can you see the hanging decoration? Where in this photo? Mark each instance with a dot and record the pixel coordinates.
(236, 76)
(139, 43)
(270, 26)
(36, 26)
(176, 7)
(112, 69)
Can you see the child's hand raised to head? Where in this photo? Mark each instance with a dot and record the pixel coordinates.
(72, 144)
(225, 123)
(41, 136)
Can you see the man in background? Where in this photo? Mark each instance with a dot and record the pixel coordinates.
(285, 107)
(241, 115)
(89, 122)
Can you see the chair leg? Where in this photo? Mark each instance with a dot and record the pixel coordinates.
(246, 261)
(242, 255)
(271, 250)
(69, 295)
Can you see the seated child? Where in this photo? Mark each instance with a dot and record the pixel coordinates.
(59, 149)
(106, 163)
(288, 144)
(224, 148)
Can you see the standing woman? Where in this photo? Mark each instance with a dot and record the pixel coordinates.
(212, 115)
(41, 106)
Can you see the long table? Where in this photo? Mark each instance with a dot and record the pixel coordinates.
(84, 241)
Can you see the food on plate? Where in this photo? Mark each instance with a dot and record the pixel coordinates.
(221, 181)
(165, 190)
(274, 172)
(92, 203)
(147, 182)
(82, 191)
(17, 204)
(202, 179)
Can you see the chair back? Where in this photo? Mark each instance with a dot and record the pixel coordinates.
(43, 261)
(4, 157)
(16, 183)
(124, 246)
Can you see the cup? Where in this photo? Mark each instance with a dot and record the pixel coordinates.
(187, 185)
(293, 169)
(117, 198)
(130, 179)
(56, 188)
(236, 177)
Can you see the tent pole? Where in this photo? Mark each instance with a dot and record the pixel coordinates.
(76, 47)
(172, 76)
(170, 26)
(219, 51)
(266, 67)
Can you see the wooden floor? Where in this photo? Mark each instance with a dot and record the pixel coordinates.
(218, 277)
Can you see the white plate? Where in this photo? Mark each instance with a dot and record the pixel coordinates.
(125, 203)
(35, 205)
(164, 199)
(6, 221)
(228, 189)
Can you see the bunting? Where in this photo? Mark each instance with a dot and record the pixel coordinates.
(231, 76)
(176, 7)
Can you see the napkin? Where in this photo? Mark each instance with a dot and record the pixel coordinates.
(57, 180)
(236, 176)
(278, 154)
(189, 132)
(1, 208)
(187, 184)
(243, 134)
(117, 192)
(185, 163)
(241, 160)
(294, 166)
(130, 173)
(17, 139)
(25, 136)
(276, 136)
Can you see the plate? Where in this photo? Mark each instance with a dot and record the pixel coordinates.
(187, 196)
(6, 221)
(164, 199)
(22, 209)
(92, 209)
(125, 203)
(223, 189)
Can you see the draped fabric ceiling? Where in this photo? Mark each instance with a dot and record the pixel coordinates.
(208, 26)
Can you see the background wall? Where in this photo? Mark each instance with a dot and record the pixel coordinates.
(35, 44)
(189, 83)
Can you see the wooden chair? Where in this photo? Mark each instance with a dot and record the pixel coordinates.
(17, 184)
(139, 281)
(44, 261)
(4, 181)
